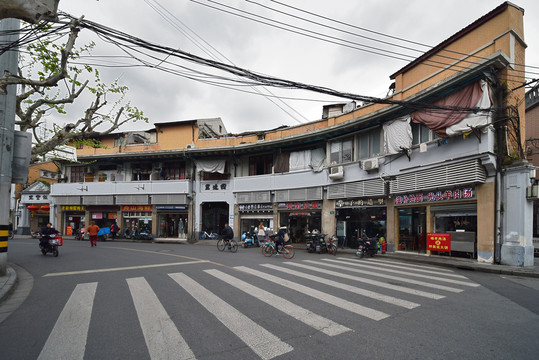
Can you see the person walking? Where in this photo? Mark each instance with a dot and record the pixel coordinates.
(92, 230)
(261, 232)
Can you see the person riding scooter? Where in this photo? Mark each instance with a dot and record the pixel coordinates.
(47, 233)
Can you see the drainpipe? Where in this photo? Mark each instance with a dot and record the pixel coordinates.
(499, 178)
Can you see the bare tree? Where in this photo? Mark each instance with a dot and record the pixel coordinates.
(48, 79)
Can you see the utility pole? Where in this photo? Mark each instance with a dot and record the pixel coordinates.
(9, 34)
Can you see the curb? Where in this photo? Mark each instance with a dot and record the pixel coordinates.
(7, 283)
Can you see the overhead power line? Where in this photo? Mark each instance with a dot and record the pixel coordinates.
(248, 78)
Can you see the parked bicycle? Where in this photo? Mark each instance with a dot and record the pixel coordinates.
(204, 235)
(269, 249)
(231, 245)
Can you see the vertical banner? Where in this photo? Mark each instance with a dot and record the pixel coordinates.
(439, 242)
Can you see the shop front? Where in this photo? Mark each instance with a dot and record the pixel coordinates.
(136, 219)
(252, 215)
(73, 218)
(360, 217)
(442, 222)
(300, 218)
(172, 220)
(103, 215)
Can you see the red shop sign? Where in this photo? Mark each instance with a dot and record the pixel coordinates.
(439, 242)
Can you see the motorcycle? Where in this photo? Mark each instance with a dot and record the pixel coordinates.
(249, 239)
(50, 245)
(367, 246)
(317, 242)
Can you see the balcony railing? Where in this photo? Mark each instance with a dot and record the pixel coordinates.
(122, 187)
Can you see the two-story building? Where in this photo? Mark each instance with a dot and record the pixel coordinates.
(426, 166)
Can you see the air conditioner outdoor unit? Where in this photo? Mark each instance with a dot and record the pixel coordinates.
(336, 172)
(370, 164)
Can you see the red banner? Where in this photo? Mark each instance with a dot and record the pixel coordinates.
(439, 242)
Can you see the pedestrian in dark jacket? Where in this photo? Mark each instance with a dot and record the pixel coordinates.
(280, 238)
(227, 233)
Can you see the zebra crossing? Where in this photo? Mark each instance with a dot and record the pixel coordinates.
(372, 284)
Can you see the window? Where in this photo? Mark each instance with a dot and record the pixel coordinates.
(215, 175)
(341, 151)
(77, 173)
(260, 165)
(141, 172)
(421, 134)
(369, 144)
(173, 172)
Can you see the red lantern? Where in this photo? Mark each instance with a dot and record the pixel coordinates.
(32, 207)
(45, 207)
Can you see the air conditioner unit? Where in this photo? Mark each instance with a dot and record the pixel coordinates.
(336, 172)
(370, 164)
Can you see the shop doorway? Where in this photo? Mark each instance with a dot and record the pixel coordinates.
(214, 216)
(412, 229)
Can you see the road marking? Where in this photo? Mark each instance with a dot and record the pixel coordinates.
(319, 295)
(410, 265)
(433, 271)
(67, 339)
(430, 277)
(318, 322)
(262, 342)
(367, 293)
(124, 268)
(163, 339)
(371, 282)
(397, 278)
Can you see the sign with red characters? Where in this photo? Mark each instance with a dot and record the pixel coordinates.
(439, 242)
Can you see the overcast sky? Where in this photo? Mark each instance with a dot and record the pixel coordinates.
(165, 97)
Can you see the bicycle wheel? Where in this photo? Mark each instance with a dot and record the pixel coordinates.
(288, 252)
(214, 236)
(332, 249)
(221, 245)
(268, 250)
(233, 246)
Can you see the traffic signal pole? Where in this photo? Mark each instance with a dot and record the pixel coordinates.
(9, 34)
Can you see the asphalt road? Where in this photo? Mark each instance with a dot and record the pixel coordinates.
(178, 301)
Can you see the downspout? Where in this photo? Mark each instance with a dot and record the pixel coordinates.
(499, 178)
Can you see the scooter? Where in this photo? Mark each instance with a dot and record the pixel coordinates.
(249, 239)
(49, 245)
(316, 242)
(367, 246)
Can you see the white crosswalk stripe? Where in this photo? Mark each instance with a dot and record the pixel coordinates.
(299, 313)
(347, 266)
(344, 304)
(370, 279)
(388, 264)
(430, 277)
(262, 342)
(72, 324)
(410, 266)
(162, 337)
(354, 289)
(371, 282)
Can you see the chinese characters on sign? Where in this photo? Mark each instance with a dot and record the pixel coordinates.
(72, 208)
(439, 242)
(361, 202)
(260, 207)
(457, 194)
(137, 208)
(305, 205)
